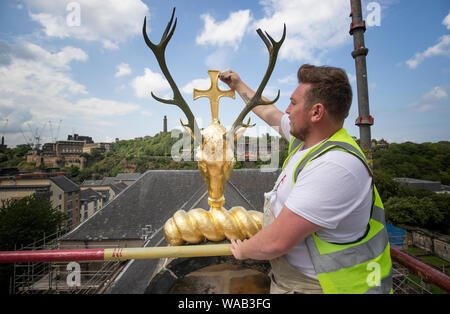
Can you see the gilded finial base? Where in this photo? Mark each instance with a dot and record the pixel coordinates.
(198, 225)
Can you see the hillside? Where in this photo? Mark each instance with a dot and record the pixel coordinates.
(404, 206)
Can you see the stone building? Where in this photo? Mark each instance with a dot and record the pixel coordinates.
(100, 147)
(3, 146)
(59, 154)
(60, 190)
(108, 187)
(90, 202)
(67, 199)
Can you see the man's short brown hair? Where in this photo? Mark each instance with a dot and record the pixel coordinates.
(330, 87)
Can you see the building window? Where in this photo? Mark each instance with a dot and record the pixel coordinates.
(69, 204)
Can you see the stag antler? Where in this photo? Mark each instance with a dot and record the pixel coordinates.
(159, 52)
(273, 47)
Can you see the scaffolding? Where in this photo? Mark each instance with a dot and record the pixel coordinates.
(410, 276)
(52, 277)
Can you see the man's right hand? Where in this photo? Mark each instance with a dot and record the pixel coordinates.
(230, 78)
(269, 113)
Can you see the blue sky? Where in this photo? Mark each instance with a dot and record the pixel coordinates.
(93, 75)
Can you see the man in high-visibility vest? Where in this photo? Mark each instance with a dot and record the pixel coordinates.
(324, 224)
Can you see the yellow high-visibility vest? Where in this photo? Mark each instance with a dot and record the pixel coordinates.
(359, 267)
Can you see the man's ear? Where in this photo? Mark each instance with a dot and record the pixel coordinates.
(317, 112)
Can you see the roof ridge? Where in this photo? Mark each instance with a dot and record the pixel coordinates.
(242, 195)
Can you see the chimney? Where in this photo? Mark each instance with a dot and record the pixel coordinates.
(3, 140)
(165, 124)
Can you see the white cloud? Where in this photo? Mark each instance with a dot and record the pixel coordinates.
(351, 77)
(202, 84)
(442, 48)
(431, 100)
(150, 82)
(95, 107)
(219, 59)
(289, 80)
(313, 27)
(436, 94)
(123, 69)
(146, 113)
(36, 86)
(226, 33)
(446, 21)
(107, 21)
(37, 81)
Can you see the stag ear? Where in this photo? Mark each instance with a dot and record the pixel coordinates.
(242, 129)
(239, 133)
(187, 128)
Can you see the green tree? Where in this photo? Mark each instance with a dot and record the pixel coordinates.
(417, 212)
(22, 222)
(386, 186)
(25, 220)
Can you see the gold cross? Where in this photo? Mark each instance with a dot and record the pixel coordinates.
(214, 93)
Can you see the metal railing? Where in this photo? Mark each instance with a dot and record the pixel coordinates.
(50, 277)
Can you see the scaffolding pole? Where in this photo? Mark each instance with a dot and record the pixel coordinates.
(365, 120)
(116, 254)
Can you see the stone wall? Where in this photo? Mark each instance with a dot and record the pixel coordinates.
(433, 244)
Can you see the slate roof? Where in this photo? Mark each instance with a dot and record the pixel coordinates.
(154, 198)
(108, 180)
(88, 193)
(65, 184)
(434, 186)
(91, 183)
(118, 187)
(128, 176)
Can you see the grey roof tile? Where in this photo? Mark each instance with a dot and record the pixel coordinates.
(156, 196)
(65, 184)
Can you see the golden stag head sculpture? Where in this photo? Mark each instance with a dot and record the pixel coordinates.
(215, 153)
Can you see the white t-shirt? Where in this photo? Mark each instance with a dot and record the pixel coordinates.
(333, 191)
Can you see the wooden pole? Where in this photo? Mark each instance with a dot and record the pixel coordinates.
(117, 254)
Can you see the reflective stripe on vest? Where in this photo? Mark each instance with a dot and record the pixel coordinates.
(347, 268)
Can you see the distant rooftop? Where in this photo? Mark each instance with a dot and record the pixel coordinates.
(88, 194)
(128, 176)
(112, 180)
(434, 186)
(65, 184)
